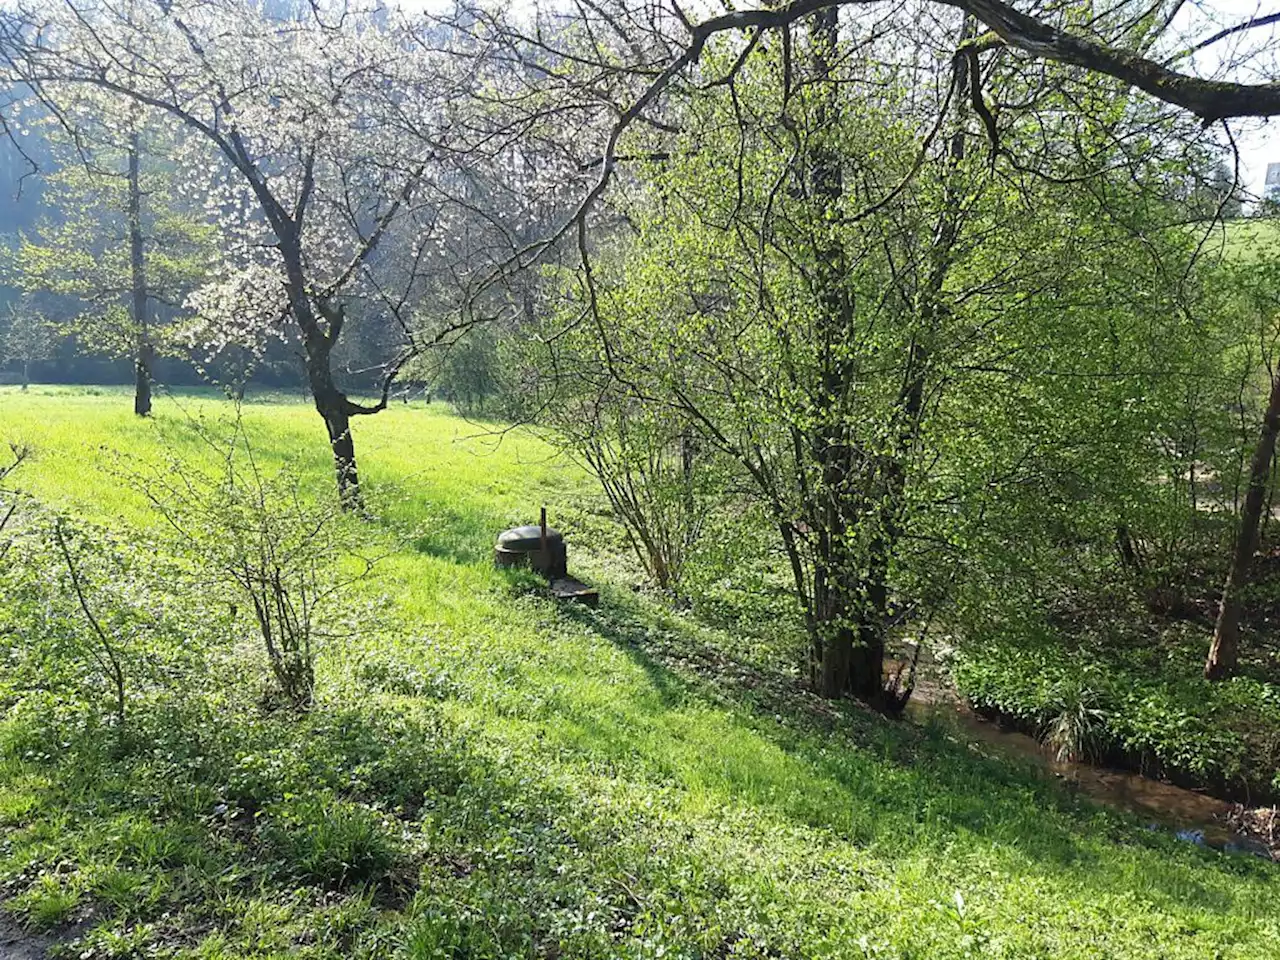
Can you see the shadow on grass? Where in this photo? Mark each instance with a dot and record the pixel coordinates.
(218, 817)
(887, 784)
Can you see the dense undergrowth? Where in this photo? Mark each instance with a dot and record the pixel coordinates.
(1125, 686)
(485, 774)
(1146, 708)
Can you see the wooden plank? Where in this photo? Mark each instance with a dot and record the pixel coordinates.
(574, 591)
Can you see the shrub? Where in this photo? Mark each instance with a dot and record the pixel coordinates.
(9, 499)
(267, 546)
(90, 618)
(660, 480)
(1088, 698)
(1078, 724)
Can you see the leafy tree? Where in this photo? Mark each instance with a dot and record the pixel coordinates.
(1256, 291)
(926, 372)
(128, 262)
(26, 336)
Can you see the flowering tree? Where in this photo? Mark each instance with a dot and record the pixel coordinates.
(318, 144)
(25, 336)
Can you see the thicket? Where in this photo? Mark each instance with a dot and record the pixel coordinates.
(953, 412)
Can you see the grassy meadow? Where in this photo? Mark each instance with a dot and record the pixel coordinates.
(1247, 239)
(488, 775)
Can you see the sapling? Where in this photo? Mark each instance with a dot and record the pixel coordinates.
(268, 546)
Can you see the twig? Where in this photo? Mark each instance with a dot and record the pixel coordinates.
(113, 665)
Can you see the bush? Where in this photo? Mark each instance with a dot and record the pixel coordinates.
(92, 624)
(265, 545)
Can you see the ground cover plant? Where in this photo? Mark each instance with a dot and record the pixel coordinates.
(484, 774)
(1140, 704)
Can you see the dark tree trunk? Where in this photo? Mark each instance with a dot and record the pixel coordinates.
(338, 422)
(318, 339)
(335, 409)
(835, 666)
(142, 381)
(1223, 651)
(850, 599)
(137, 268)
(26, 374)
(842, 663)
(849, 658)
(867, 671)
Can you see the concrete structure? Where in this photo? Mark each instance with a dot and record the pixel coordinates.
(543, 549)
(1271, 185)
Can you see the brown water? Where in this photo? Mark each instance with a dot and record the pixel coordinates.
(1192, 816)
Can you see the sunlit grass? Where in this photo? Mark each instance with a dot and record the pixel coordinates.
(493, 776)
(1248, 239)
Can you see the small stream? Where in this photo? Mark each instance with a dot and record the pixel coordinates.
(1194, 817)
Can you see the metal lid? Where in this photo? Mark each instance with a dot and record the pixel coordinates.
(526, 539)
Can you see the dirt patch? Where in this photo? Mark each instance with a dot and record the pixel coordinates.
(18, 944)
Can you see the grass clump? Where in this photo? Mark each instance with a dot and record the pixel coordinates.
(48, 902)
(328, 840)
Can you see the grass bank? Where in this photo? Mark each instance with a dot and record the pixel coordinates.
(486, 774)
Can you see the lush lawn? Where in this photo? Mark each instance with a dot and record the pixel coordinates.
(489, 775)
(1249, 239)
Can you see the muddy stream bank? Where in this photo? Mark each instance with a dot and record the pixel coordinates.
(1189, 815)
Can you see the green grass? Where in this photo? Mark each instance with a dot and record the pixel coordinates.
(489, 775)
(1248, 239)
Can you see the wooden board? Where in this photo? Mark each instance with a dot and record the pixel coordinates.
(574, 591)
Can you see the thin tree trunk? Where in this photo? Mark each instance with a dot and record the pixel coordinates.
(137, 268)
(318, 340)
(1224, 649)
(26, 373)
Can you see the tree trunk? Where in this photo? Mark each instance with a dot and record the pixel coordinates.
(334, 409)
(137, 268)
(867, 672)
(850, 660)
(318, 341)
(338, 423)
(1223, 651)
(142, 381)
(835, 668)
(851, 594)
(842, 665)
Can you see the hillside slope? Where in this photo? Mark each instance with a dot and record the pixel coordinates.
(489, 775)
